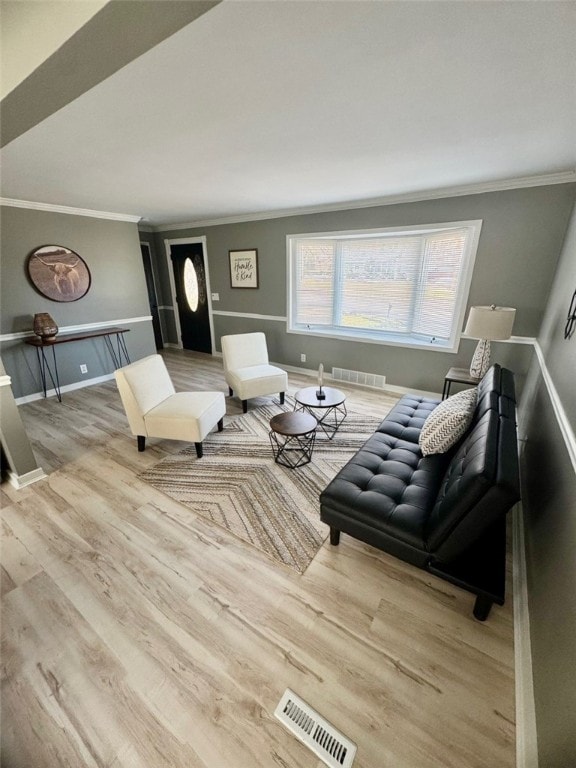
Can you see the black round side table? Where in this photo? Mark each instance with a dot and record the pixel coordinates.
(292, 437)
(330, 412)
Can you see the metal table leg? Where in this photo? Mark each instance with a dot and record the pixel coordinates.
(329, 420)
(45, 366)
(292, 451)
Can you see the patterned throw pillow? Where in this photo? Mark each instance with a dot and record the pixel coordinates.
(447, 422)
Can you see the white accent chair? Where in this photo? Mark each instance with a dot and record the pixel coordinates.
(247, 370)
(155, 409)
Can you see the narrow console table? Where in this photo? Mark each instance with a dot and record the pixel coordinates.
(117, 354)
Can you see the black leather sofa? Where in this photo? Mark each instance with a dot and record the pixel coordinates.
(445, 513)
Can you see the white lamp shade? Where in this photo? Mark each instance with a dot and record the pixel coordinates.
(490, 323)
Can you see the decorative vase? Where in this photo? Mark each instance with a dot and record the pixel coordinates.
(319, 392)
(44, 326)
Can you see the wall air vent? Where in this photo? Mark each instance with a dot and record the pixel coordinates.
(358, 377)
(311, 729)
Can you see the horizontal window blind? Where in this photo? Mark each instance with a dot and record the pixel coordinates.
(314, 265)
(401, 286)
(438, 288)
(378, 283)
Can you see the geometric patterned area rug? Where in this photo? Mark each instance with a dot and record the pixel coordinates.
(238, 486)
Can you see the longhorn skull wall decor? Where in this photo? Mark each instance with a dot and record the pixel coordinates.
(59, 273)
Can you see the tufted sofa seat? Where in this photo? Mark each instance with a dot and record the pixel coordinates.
(444, 512)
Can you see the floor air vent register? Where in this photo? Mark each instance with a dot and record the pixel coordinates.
(311, 729)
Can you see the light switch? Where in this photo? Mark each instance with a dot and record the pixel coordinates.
(215, 297)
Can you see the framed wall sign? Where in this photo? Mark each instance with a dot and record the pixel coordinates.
(58, 273)
(244, 268)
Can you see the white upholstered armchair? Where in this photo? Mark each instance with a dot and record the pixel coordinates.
(155, 409)
(247, 370)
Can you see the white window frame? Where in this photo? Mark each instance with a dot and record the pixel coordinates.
(380, 337)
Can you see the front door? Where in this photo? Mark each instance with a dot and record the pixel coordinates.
(191, 295)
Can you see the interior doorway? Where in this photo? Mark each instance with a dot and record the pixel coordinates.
(152, 296)
(190, 284)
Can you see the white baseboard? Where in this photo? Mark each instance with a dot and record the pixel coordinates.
(21, 481)
(391, 388)
(65, 388)
(526, 737)
(396, 390)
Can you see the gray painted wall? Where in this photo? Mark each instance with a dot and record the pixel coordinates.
(561, 354)
(549, 505)
(118, 291)
(520, 243)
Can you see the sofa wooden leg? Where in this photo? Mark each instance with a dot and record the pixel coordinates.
(244, 406)
(282, 398)
(198, 450)
(334, 536)
(221, 424)
(482, 607)
(230, 391)
(141, 442)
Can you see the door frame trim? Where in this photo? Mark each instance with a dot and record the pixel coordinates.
(168, 242)
(147, 245)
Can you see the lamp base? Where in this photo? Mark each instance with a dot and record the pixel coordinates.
(481, 359)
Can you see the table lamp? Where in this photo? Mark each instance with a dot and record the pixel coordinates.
(487, 324)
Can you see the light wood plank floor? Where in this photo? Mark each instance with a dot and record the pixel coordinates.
(136, 635)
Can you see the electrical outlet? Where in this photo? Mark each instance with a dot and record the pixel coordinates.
(302, 358)
(215, 297)
(83, 368)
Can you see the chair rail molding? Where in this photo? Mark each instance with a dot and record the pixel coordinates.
(560, 413)
(82, 327)
(250, 315)
(526, 734)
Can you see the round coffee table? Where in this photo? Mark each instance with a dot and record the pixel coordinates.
(329, 412)
(292, 438)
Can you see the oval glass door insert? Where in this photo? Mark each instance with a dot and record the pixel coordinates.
(191, 285)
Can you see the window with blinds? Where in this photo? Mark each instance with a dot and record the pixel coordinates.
(405, 287)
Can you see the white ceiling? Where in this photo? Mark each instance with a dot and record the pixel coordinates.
(274, 105)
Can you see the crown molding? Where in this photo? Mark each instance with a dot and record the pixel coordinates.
(11, 203)
(544, 180)
(563, 177)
